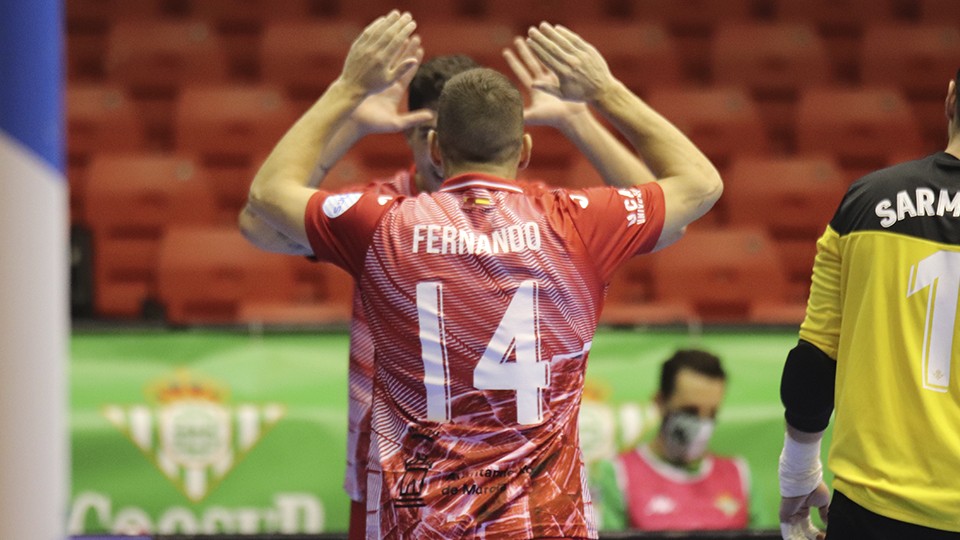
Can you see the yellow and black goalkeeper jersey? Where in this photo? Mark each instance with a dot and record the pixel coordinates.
(883, 303)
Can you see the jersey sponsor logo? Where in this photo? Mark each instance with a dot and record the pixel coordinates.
(633, 204)
(924, 202)
(190, 432)
(727, 504)
(384, 199)
(336, 205)
(449, 240)
(415, 469)
(660, 504)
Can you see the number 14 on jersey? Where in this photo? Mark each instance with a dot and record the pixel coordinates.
(517, 335)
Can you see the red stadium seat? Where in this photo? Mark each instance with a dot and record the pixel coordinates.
(157, 56)
(688, 16)
(836, 15)
(722, 121)
(207, 274)
(100, 14)
(330, 303)
(723, 274)
(938, 11)
(643, 55)
(233, 13)
(773, 61)
(630, 299)
(99, 118)
(920, 60)
(793, 199)
(228, 127)
(232, 120)
(692, 23)
(131, 200)
(361, 13)
(859, 127)
(483, 41)
(531, 12)
(841, 24)
(428, 11)
(304, 57)
(769, 57)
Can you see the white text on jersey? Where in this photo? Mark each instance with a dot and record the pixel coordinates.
(449, 240)
(927, 203)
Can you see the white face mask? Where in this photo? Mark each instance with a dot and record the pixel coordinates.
(685, 436)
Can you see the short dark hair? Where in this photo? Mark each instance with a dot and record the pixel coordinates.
(695, 360)
(480, 118)
(427, 83)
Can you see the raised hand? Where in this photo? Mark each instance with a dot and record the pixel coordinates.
(381, 55)
(582, 73)
(380, 112)
(544, 108)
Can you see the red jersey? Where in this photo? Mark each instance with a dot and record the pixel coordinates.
(482, 299)
(660, 497)
(360, 373)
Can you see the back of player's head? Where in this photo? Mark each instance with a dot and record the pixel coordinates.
(695, 360)
(427, 83)
(480, 118)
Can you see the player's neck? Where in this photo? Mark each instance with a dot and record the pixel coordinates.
(426, 182)
(492, 169)
(953, 146)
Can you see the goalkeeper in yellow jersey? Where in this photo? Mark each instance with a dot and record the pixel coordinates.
(879, 347)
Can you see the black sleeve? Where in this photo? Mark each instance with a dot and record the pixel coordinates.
(807, 386)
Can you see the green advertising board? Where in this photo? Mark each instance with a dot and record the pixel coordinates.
(203, 432)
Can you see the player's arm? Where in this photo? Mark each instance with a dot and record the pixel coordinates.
(807, 388)
(617, 165)
(378, 113)
(691, 184)
(280, 190)
(261, 234)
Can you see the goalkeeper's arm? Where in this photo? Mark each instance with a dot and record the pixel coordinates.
(806, 389)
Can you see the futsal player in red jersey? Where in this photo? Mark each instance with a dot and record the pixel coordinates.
(380, 113)
(484, 296)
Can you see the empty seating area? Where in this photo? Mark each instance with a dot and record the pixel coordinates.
(172, 105)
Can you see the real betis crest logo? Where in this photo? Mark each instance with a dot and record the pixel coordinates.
(191, 432)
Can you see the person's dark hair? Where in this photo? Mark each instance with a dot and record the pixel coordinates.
(701, 362)
(480, 118)
(426, 85)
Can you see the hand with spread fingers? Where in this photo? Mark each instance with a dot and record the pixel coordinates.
(581, 72)
(380, 112)
(545, 109)
(382, 54)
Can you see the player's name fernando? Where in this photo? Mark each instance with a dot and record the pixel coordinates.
(449, 240)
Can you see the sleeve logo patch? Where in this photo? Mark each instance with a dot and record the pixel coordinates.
(633, 204)
(336, 205)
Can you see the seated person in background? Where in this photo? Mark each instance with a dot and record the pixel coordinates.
(672, 482)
